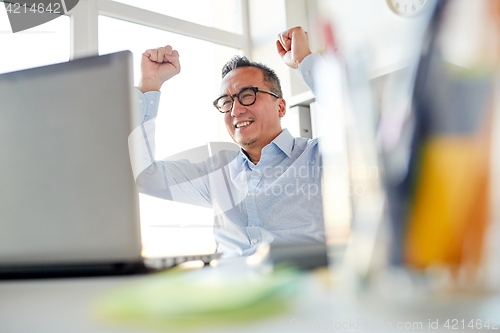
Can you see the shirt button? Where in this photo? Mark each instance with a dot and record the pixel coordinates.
(307, 73)
(255, 240)
(249, 194)
(257, 172)
(141, 101)
(151, 102)
(253, 225)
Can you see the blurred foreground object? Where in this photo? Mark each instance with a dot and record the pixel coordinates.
(449, 174)
(428, 125)
(202, 299)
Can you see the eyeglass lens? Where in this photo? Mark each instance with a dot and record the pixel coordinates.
(245, 97)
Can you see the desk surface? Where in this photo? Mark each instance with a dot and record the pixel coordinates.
(65, 305)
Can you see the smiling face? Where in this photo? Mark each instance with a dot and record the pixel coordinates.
(253, 126)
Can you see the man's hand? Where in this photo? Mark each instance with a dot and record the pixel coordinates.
(157, 66)
(293, 46)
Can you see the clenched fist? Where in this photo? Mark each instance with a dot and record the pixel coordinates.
(293, 46)
(157, 66)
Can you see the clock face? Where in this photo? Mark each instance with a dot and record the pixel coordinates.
(407, 8)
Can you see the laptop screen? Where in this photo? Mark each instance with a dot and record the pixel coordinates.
(67, 194)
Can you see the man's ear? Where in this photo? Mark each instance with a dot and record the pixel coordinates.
(282, 107)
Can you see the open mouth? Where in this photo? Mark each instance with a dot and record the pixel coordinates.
(243, 124)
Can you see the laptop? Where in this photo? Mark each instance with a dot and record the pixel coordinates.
(68, 201)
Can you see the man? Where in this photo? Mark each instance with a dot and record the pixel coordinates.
(267, 192)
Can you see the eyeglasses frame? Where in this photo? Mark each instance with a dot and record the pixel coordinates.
(255, 90)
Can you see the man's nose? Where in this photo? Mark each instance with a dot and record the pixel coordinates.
(237, 108)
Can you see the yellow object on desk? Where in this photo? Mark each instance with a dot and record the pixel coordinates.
(450, 210)
(198, 299)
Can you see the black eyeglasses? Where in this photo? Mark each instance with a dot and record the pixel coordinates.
(246, 97)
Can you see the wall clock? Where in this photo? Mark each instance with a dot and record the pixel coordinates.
(407, 8)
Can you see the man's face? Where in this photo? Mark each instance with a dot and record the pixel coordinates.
(253, 126)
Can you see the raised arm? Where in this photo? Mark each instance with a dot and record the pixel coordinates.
(157, 66)
(179, 181)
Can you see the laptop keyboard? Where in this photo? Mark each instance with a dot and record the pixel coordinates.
(162, 263)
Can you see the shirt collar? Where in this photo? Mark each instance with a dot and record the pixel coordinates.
(284, 141)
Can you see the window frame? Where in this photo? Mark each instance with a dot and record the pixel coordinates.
(84, 42)
(84, 26)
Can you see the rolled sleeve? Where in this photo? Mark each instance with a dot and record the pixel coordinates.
(141, 140)
(148, 104)
(305, 71)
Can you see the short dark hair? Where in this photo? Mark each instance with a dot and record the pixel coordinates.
(270, 77)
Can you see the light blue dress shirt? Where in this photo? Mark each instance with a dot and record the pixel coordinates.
(278, 200)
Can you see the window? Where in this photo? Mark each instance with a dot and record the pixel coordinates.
(205, 38)
(183, 123)
(220, 14)
(194, 121)
(45, 44)
(205, 43)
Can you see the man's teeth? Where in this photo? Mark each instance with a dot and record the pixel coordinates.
(243, 124)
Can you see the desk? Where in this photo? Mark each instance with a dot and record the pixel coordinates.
(64, 306)
(53, 305)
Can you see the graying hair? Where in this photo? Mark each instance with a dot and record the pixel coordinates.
(270, 77)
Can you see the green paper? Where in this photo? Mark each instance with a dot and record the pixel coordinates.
(199, 299)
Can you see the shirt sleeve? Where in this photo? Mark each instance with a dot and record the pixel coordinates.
(172, 180)
(306, 70)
